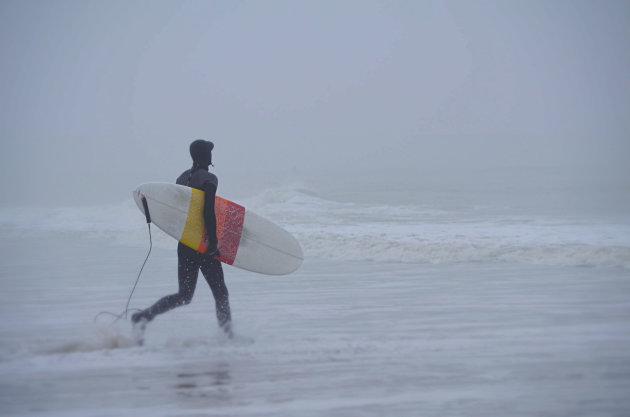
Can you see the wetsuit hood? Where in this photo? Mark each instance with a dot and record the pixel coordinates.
(201, 153)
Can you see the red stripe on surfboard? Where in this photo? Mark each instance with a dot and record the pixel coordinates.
(203, 244)
(230, 217)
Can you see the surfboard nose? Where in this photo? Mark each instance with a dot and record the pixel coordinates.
(268, 247)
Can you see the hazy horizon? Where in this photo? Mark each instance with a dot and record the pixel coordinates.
(101, 96)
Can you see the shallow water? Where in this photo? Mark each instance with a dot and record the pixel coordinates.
(335, 338)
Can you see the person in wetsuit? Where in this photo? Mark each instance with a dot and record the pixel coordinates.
(189, 260)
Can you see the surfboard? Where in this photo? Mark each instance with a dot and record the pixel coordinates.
(246, 240)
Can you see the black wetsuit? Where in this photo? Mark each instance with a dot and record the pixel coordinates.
(190, 261)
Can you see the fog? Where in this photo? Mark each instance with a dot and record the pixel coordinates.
(100, 96)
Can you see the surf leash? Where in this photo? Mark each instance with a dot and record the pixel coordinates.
(126, 310)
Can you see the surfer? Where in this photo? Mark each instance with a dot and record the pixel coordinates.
(189, 260)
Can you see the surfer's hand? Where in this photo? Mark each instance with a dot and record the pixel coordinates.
(213, 252)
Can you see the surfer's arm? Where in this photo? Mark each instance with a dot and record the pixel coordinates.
(208, 214)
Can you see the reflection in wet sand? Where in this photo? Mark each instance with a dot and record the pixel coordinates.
(213, 384)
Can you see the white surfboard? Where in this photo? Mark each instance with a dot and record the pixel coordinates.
(246, 240)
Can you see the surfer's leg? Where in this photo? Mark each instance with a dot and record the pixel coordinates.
(187, 273)
(213, 272)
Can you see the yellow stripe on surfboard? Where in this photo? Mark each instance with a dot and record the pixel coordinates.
(192, 236)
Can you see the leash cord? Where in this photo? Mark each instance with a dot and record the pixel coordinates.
(124, 313)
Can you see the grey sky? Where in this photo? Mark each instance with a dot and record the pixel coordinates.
(99, 96)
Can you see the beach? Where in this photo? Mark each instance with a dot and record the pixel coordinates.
(338, 337)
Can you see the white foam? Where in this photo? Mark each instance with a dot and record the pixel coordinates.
(367, 232)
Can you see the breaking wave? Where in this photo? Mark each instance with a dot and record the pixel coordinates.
(367, 232)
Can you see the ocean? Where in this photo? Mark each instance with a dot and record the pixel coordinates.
(410, 301)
